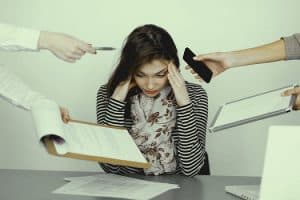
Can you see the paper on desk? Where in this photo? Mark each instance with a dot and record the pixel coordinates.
(110, 185)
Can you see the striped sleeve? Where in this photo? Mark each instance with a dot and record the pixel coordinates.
(116, 169)
(191, 131)
(111, 112)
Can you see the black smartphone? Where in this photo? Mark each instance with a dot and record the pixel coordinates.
(199, 67)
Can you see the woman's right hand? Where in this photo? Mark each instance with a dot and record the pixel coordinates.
(122, 89)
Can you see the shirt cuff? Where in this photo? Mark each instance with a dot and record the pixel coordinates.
(116, 104)
(292, 47)
(184, 109)
(184, 113)
(29, 38)
(15, 38)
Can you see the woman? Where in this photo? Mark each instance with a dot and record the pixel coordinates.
(165, 115)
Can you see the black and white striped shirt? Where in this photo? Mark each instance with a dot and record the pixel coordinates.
(188, 136)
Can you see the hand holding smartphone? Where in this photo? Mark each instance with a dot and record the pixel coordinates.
(198, 66)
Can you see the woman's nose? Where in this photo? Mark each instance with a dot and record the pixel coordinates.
(150, 84)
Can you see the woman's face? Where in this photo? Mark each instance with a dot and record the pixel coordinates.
(151, 77)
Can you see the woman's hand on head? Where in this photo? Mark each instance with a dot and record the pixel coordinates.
(122, 89)
(178, 85)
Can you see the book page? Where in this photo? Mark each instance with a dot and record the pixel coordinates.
(47, 119)
(100, 141)
(252, 107)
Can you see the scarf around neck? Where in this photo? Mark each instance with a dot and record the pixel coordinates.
(154, 119)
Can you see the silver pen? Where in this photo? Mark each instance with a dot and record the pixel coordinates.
(105, 48)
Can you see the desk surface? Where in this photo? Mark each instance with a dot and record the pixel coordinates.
(38, 185)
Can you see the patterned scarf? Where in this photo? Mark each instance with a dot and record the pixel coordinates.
(154, 119)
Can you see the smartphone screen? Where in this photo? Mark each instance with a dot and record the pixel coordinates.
(199, 67)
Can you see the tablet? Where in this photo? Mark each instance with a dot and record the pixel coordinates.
(253, 108)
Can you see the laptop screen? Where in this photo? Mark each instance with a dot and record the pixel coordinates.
(281, 173)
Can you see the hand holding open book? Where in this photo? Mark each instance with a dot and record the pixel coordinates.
(82, 140)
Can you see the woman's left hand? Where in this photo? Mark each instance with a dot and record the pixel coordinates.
(177, 83)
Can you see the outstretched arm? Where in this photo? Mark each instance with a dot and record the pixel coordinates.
(63, 46)
(284, 49)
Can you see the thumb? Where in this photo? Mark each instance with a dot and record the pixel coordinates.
(199, 57)
(208, 56)
(87, 48)
(291, 91)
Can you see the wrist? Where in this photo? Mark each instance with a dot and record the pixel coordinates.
(183, 102)
(232, 59)
(118, 98)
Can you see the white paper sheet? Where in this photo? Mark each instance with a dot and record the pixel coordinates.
(116, 186)
(86, 139)
(107, 142)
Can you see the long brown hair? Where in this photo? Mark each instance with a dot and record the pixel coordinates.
(143, 45)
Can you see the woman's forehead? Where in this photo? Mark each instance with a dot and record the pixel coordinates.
(153, 67)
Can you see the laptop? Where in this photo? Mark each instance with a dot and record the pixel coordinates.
(281, 173)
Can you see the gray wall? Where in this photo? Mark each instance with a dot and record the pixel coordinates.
(204, 26)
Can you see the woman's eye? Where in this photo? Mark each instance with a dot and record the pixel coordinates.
(139, 75)
(161, 75)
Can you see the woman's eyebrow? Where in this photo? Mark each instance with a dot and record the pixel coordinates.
(161, 71)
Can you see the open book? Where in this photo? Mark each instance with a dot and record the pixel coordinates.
(83, 140)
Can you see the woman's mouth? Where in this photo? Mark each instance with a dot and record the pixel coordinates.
(150, 91)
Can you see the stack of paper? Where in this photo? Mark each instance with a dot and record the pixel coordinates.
(116, 186)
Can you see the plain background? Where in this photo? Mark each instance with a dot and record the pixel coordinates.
(204, 26)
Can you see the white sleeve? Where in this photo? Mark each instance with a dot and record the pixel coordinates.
(16, 91)
(14, 38)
